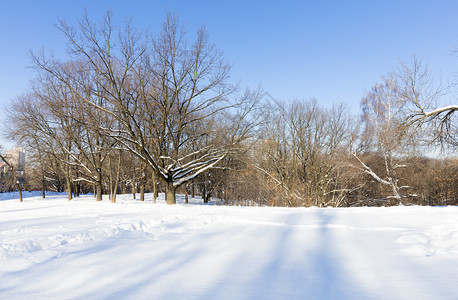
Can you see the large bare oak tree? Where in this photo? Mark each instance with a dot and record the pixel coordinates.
(166, 94)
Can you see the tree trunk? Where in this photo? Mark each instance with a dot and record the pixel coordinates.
(76, 184)
(170, 193)
(43, 188)
(118, 171)
(142, 190)
(155, 191)
(186, 194)
(134, 190)
(99, 191)
(110, 181)
(98, 184)
(204, 191)
(19, 189)
(206, 194)
(43, 179)
(69, 188)
(142, 181)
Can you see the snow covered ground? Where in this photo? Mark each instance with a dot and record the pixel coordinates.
(82, 249)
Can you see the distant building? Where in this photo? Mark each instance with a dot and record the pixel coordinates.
(16, 158)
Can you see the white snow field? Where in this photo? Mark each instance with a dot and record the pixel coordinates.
(57, 249)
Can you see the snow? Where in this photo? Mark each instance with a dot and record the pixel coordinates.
(82, 249)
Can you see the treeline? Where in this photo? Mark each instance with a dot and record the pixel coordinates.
(129, 113)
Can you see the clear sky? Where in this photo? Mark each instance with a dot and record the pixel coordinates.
(333, 51)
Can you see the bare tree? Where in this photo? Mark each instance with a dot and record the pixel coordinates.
(14, 171)
(30, 123)
(303, 151)
(385, 134)
(422, 95)
(163, 97)
(20, 130)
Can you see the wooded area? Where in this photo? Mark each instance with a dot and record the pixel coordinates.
(129, 113)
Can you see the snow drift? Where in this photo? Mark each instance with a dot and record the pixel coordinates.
(83, 249)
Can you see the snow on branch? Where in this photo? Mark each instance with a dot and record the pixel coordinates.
(369, 171)
(199, 171)
(440, 110)
(425, 115)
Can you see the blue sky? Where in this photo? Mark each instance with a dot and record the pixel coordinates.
(333, 51)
